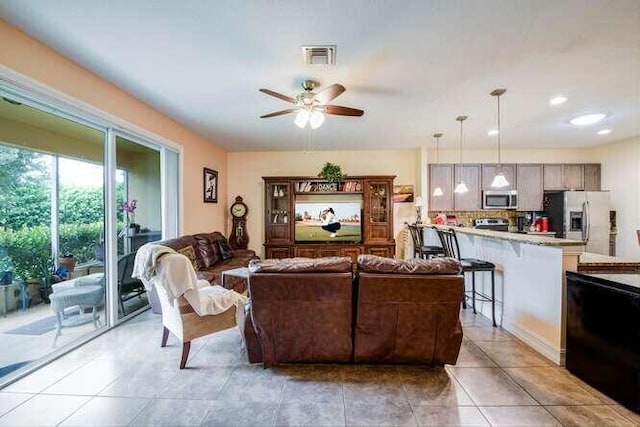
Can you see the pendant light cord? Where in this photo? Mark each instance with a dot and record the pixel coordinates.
(460, 145)
(499, 132)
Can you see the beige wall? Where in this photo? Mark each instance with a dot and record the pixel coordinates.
(246, 170)
(22, 135)
(144, 186)
(29, 57)
(621, 175)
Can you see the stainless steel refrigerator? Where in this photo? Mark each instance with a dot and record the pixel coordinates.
(580, 215)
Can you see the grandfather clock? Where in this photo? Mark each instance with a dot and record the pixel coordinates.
(239, 238)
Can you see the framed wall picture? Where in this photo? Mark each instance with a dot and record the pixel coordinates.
(210, 182)
(402, 193)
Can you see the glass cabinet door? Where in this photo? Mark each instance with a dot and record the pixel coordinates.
(379, 202)
(378, 199)
(278, 216)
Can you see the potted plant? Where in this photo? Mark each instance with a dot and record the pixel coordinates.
(68, 261)
(331, 172)
(130, 209)
(47, 274)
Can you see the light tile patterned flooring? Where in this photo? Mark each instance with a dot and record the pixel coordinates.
(125, 378)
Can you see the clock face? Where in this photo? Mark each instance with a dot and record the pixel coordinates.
(238, 210)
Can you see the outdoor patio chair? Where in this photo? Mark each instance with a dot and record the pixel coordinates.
(128, 287)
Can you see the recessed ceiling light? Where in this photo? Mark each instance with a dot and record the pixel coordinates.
(587, 119)
(557, 100)
(604, 132)
(493, 132)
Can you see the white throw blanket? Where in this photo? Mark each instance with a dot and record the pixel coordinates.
(175, 274)
(146, 263)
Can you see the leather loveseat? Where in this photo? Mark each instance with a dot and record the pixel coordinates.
(210, 255)
(301, 310)
(408, 311)
(310, 310)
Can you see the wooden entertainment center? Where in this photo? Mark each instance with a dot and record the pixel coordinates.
(375, 192)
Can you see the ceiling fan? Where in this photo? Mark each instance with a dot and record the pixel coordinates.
(311, 107)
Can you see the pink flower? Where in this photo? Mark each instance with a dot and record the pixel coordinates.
(129, 207)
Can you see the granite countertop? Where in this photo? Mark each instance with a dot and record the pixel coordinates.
(596, 263)
(530, 239)
(591, 258)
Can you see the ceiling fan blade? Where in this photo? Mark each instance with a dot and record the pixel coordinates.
(342, 111)
(329, 93)
(279, 113)
(278, 95)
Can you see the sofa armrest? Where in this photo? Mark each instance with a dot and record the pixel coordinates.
(244, 253)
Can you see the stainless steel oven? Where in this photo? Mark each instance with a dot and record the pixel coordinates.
(495, 199)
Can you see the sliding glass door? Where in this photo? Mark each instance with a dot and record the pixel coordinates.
(52, 204)
(77, 200)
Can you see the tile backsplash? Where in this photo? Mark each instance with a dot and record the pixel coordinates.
(466, 218)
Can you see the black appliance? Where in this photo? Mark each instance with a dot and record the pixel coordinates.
(603, 333)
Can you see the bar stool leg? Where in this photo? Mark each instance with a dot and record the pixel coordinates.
(493, 297)
(464, 291)
(473, 290)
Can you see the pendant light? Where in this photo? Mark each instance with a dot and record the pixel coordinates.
(499, 181)
(461, 187)
(437, 192)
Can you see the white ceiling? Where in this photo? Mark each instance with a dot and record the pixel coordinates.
(413, 66)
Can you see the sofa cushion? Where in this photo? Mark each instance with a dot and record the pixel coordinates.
(191, 254)
(225, 250)
(437, 265)
(302, 265)
(208, 248)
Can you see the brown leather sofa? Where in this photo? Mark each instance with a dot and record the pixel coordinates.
(309, 310)
(211, 255)
(301, 310)
(408, 311)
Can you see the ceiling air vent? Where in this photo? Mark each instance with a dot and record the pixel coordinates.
(319, 55)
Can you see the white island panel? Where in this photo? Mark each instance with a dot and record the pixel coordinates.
(530, 283)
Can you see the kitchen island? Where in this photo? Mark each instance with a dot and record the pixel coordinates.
(530, 283)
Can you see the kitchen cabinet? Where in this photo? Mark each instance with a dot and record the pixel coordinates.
(472, 199)
(489, 172)
(530, 179)
(573, 176)
(563, 177)
(592, 180)
(441, 175)
(530, 187)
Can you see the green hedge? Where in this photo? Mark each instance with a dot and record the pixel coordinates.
(24, 250)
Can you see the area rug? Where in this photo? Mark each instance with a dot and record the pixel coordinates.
(39, 327)
(6, 370)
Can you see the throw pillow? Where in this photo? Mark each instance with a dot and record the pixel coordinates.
(225, 249)
(189, 253)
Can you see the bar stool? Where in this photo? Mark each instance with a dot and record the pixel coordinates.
(470, 265)
(421, 250)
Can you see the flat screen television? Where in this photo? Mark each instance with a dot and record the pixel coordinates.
(311, 214)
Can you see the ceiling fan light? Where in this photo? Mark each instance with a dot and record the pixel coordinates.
(302, 118)
(499, 181)
(437, 192)
(316, 119)
(461, 188)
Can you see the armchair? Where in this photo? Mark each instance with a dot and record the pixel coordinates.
(191, 308)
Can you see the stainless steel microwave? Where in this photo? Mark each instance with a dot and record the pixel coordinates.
(496, 199)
